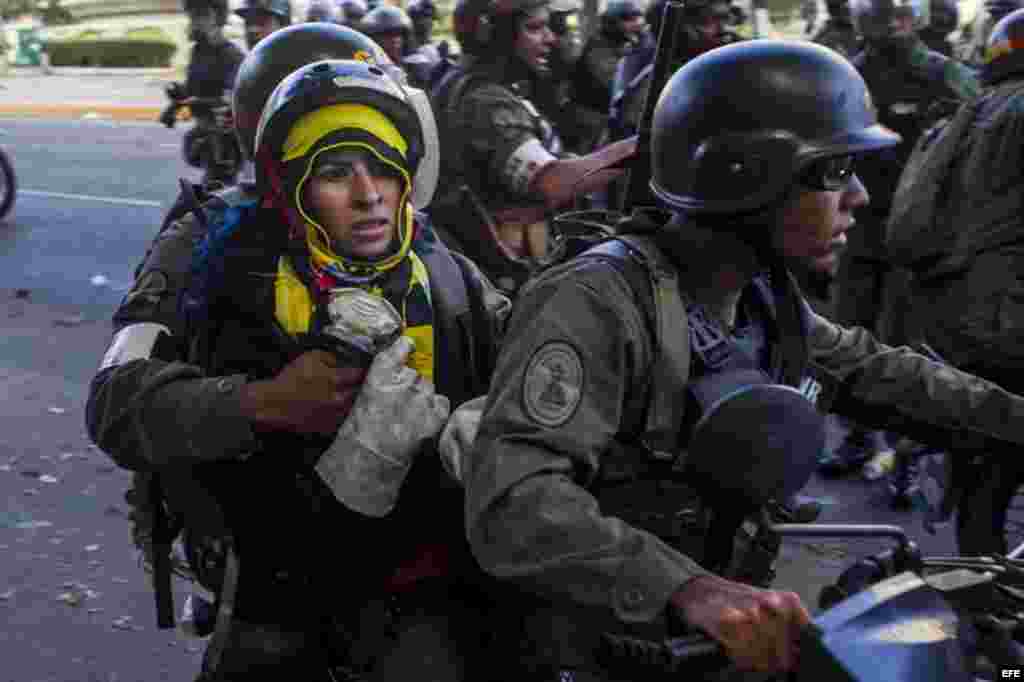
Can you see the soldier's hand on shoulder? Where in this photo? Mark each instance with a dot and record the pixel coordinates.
(312, 394)
(759, 629)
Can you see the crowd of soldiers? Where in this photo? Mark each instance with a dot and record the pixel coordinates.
(493, 430)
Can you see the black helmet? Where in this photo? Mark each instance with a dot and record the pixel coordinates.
(839, 10)
(310, 111)
(734, 127)
(282, 9)
(873, 18)
(323, 10)
(620, 10)
(474, 21)
(283, 52)
(945, 17)
(353, 11)
(421, 8)
(997, 9)
(1004, 51)
(219, 7)
(385, 19)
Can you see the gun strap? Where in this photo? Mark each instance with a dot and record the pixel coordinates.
(162, 539)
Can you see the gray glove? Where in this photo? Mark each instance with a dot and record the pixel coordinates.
(457, 438)
(395, 412)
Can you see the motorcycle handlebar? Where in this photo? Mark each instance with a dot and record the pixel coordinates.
(695, 652)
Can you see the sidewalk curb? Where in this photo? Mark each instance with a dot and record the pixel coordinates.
(117, 112)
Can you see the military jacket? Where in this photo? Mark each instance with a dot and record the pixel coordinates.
(975, 298)
(212, 69)
(495, 140)
(911, 91)
(574, 377)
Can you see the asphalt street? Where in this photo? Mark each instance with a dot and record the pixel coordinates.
(74, 603)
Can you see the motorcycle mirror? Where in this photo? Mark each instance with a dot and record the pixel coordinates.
(757, 443)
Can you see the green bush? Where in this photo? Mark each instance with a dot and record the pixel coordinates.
(110, 52)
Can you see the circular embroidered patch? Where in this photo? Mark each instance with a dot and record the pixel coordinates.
(553, 384)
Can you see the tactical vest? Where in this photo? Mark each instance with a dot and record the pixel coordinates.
(641, 478)
(271, 513)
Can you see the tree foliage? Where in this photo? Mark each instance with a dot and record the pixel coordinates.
(50, 11)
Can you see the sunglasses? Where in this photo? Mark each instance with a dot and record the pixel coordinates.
(829, 175)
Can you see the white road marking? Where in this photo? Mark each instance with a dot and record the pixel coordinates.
(90, 197)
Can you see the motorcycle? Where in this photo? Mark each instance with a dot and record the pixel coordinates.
(8, 184)
(210, 145)
(895, 616)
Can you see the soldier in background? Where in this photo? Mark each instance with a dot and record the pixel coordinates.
(391, 28)
(838, 32)
(945, 18)
(907, 81)
(621, 29)
(352, 12)
(263, 17)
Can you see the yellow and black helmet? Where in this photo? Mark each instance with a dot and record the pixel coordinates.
(346, 103)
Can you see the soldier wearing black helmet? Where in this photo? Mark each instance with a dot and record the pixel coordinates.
(423, 14)
(838, 32)
(323, 10)
(620, 29)
(391, 28)
(962, 247)
(912, 87)
(503, 167)
(755, 150)
(215, 59)
(263, 17)
(353, 12)
(707, 26)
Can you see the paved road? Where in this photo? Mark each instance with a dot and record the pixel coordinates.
(74, 606)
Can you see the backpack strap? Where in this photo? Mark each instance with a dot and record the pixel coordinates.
(644, 266)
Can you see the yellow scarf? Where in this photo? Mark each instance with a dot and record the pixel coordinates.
(294, 310)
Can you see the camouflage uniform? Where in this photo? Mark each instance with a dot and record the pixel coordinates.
(905, 88)
(540, 482)
(494, 140)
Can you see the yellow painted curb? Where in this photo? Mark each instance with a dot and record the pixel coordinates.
(111, 111)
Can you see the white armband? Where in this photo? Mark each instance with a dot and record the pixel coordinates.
(524, 164)
(134, 342)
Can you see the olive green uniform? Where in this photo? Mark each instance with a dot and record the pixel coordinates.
(574, 377)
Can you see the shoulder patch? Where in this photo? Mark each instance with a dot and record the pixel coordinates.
(553, 384)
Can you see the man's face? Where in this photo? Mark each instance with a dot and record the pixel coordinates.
(203, 26)
(711, 25)
(393, 44)
(813, 224)
(259, 25)
(633, 26)
(534, 41)
(354, 196)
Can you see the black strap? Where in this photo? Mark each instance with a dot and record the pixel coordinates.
(163, 537)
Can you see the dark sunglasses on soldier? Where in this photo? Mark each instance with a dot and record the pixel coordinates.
(829, 175)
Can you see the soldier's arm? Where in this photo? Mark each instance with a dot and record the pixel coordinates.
(146, 403)
(575, 352)
(502, 131)
(912, 388)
